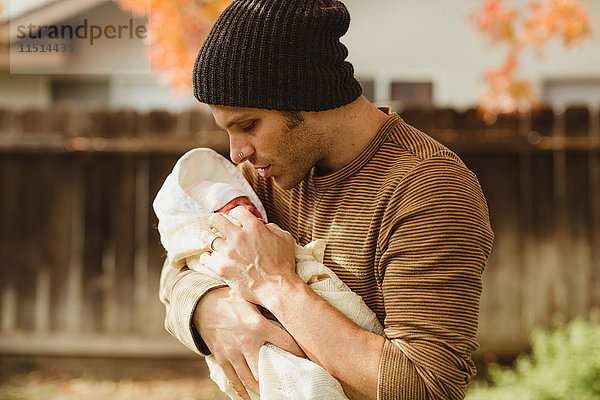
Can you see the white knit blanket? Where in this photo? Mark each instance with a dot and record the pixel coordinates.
(282, 375)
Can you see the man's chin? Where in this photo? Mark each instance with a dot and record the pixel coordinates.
(282, 183)
(286, 182)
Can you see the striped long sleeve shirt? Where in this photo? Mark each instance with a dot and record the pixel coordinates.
(407, 228)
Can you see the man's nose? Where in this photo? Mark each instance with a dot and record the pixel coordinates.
(239, 150)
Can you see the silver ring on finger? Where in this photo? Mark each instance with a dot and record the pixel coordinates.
(212, 242)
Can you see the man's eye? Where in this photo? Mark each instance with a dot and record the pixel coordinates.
(247, 125)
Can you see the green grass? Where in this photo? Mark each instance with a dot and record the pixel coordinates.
(564, 364)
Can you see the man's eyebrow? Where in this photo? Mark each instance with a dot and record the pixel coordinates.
(235, 120)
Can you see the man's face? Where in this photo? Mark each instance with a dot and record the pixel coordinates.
(276, 144)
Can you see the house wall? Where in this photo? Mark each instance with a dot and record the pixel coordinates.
(388, 40)
(434, 40)
(121, 64)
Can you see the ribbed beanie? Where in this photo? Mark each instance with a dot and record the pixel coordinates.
(277, 54)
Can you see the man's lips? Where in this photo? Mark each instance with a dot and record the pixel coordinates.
(264, 171)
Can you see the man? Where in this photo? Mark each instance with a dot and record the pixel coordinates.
(405, 222)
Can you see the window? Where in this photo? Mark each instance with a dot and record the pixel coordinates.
(368, 87)
(412, 94)
(577, 91)
(83, 93)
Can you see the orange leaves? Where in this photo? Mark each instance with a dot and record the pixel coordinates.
(566, 19)
(546, 19)
(496, 21)
(213, 8)
(177, 30)
(504, 93)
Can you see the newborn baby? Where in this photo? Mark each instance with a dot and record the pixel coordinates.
(203, 182)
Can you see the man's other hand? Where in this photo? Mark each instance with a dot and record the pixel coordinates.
(234, 330)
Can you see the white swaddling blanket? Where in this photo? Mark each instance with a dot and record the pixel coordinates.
(182, 219)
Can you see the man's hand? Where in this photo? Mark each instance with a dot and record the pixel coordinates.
(234, 330)
(255, 260)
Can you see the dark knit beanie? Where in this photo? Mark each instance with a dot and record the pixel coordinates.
(277, 54)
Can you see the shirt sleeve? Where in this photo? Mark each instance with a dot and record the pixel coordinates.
(435, 240)
(180, 291)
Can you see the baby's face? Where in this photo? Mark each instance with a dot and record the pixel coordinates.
(240, 201)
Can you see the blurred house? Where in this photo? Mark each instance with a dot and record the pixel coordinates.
(404, 52)
(429, 53)
(109, 73)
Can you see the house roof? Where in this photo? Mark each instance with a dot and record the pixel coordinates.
(43, 12)
(17, 8)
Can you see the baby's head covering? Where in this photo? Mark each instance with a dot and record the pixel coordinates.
(218, 179)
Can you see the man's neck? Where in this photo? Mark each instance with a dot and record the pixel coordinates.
(350, 129)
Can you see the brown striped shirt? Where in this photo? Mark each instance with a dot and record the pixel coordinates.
(407, 228)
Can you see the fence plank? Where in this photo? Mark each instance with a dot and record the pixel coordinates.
(110, 299)
(7, 121)
(562, 242)
(502, 294)
(141, 290)
(9, 198)
(544, 220)
(577, 261)
(527, 234)
(60, 211)
(42, 258)
(34, 121)
(529, 244)
(422, 119)
(122, 210)
(594, 211)
(76, 265)
(577, 119)
(42, 300)
(29, 238)
(162, 122)
(97, 234)
(542, 121)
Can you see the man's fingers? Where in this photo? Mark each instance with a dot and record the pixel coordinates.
(224, 226)
(252, 363)
(243, 216)
(245, 374)
(274, 228)
(284, 340)
(233, 380)
(212, 240)
(216, 263)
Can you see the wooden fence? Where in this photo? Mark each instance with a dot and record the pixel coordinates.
(80, 255)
